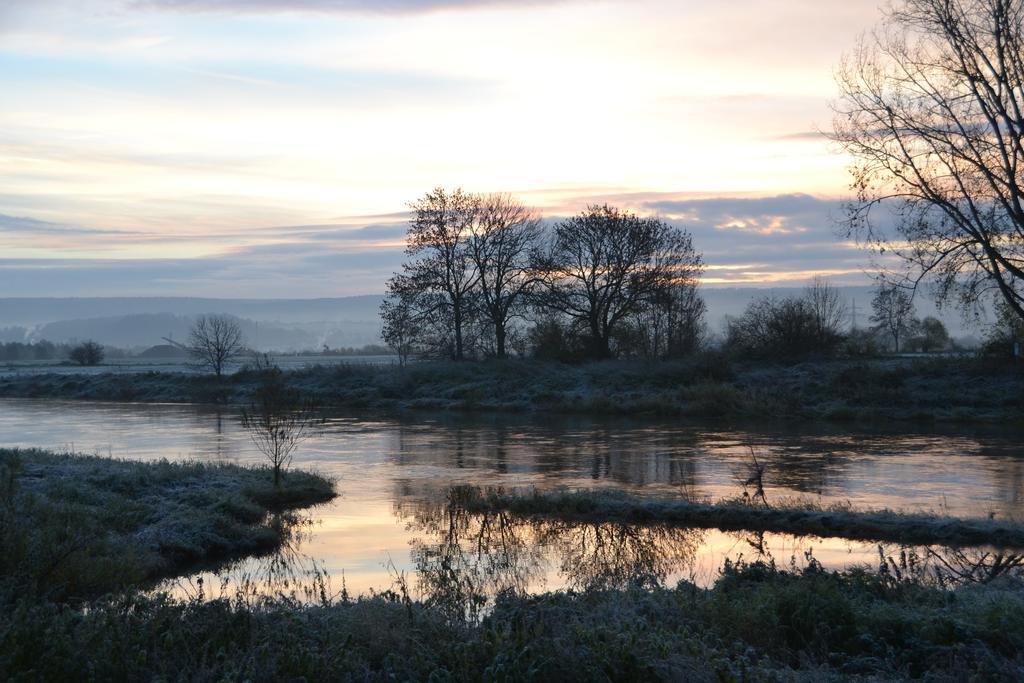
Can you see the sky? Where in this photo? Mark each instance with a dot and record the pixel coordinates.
(269, 148)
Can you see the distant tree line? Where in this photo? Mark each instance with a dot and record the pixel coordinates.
(40, 350)
(486, 277)
(815, 323)
(83, 353)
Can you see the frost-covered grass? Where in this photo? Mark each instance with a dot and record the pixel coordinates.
(707, 386)
(75, 527)
(756, 623)
(797, 517)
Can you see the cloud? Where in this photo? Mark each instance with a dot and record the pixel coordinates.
(378, 233)
(781, 239)
(275, 271)
(340, 6)
(32, 227)
(784, 214)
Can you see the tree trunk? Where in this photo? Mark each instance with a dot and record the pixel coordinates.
(458, 332)
(599, 339)
(499, 338)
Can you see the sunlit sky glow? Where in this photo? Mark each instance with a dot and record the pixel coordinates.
(267, 148)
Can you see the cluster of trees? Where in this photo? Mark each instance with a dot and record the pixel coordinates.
(792, 326)
(485, 276)
(894, 317)
(815, 324)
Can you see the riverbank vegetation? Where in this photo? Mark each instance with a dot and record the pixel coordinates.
(758, 622)
(706, 385)
(749, 513)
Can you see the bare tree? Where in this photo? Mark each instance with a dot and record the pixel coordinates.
(503, 236)
(439, 279)
(827, 307)
(603, 264)
(214, 341)
(278, 421)
(401, 329)
(931, 109)
(773, 328)
(893, 312)
(671, 323)
(685, 330)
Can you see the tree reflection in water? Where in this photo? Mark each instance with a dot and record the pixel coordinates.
(951, 567)
(287, 573)
(464, 559)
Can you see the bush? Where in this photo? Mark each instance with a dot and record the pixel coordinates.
(860, 344)
(1006, 336)
(780, 328)
(87, 353)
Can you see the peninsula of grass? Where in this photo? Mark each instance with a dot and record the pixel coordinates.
(74, 527)
(799, 518)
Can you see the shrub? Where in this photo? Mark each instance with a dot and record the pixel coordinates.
(779, 328)
(87, 353)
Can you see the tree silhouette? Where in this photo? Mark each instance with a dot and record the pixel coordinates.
(932, 111)
(214, 341)
(603, 265)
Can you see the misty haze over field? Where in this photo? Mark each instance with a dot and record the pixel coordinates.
(310, 324)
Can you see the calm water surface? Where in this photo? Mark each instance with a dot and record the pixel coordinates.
(393, 474)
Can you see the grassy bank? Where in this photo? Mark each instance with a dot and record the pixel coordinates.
(708, 386)
(756, 623)
(75, 527)
(793, 517)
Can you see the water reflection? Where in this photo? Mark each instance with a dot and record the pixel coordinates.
(951, 567)
(495, 551)
(393, 471)
(461, 560)
(289, 573)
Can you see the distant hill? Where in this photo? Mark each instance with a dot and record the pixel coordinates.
(142, 322)
(26, 311)
(301, 324)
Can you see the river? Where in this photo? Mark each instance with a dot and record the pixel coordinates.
(393, 474)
